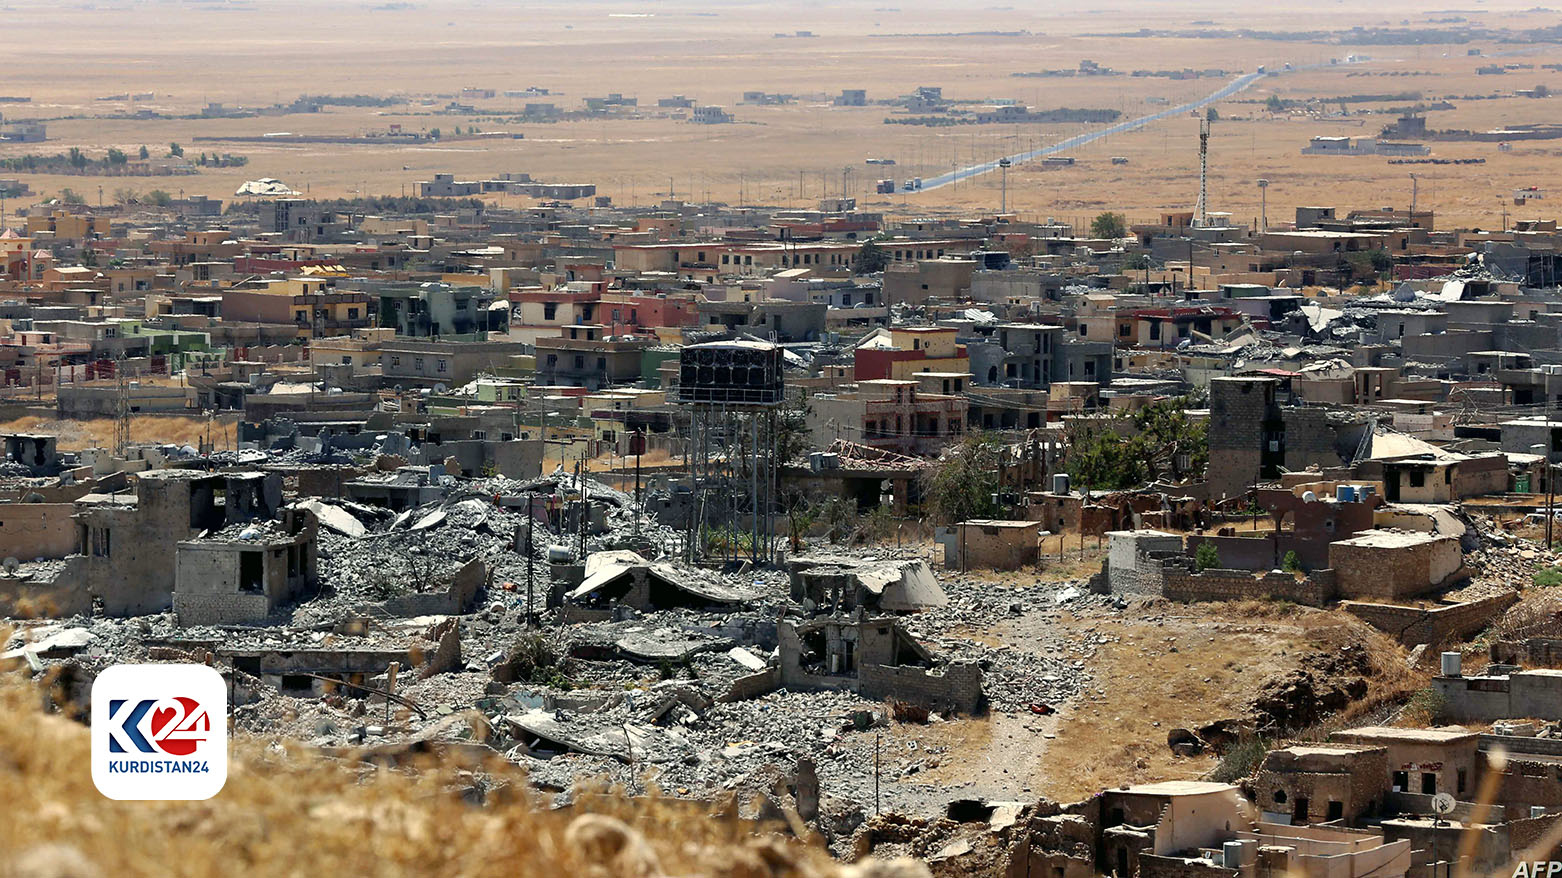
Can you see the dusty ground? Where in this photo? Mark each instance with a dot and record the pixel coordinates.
(99, 432)
(271, 51)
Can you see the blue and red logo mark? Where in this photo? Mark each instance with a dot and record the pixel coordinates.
(171, 726)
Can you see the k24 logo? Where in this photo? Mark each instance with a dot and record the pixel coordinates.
(174, 726)
(159, 732)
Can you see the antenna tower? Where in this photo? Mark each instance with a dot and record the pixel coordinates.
(1199, 212)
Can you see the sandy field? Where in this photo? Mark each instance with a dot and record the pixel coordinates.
(254, 54)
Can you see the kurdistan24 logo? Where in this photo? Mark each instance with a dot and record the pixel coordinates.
(159, 732)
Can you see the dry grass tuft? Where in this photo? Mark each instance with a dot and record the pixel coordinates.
(288, 811)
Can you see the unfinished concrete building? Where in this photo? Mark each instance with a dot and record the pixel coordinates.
(245, 572)
(128, 546)
(876, 658)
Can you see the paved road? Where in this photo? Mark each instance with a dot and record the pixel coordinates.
(1231, 88)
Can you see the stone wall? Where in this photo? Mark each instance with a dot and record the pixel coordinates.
(1435, 625)
(1533, 652)
(1527, 832)
(1396, 570)
(1152, 866)
(1181, 583)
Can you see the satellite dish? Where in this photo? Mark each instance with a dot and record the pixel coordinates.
(1442, 803)
(10, 564)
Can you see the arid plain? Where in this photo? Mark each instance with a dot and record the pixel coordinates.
(262, 53)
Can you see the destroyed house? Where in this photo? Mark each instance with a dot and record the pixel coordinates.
(837, 584)
(127, 546)
(245, 572)
(624, 578)
(876, 658)
(315, 669)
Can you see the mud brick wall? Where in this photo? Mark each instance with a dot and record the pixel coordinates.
(1182, 584)
(1435, 626)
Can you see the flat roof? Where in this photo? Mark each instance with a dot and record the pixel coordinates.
(1422, 736)
(1177, 788)
(1393, 539)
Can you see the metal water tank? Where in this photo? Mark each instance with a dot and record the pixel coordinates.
(1453, 664)
(1231, 855)
(1060, 483)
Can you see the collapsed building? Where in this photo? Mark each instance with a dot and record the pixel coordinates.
(876, 658)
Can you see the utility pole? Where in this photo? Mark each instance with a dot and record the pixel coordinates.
(1414, 186)
(1003, 165)
(1263, 205)
(530, 559)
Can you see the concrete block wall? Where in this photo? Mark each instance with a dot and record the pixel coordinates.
(1542, 652)
(220, 609)
(1134, 560)
(37, 530)
(956, 686)
(1434, 626)
(1308, 438)
(453, 601)
(753, 685)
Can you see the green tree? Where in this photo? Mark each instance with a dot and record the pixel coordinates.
(1382, 261)
(962, 486)
(125, 195)
(1206, 556)
(144, 154)
(434, 134)
(175, 150)
(1274, 104)
(1109, 225)
(1101, 458)
(78, 159)
(117, 157)
(159, 198)
(1170, 436)
(1136, 262)
(1212, 114)
(871, 258)
(1291, 563)
(71, 196)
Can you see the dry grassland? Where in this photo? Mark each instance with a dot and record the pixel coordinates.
(288, 812)
(1192, 667)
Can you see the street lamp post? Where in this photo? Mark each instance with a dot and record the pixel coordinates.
(1263, 202)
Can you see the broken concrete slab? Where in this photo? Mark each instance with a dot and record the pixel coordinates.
(335, 518)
